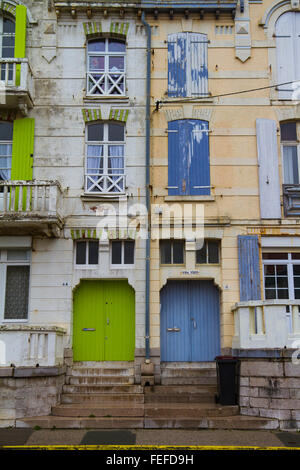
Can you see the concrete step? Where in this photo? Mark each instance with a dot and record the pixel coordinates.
(232, 422)
(189, 398)
(189, 381)
(188, 410)
(98, 410)
(102, 389)
(101, 380)
(180, 394)
(102, 371)
(107, 398)
(62, 422)
(188, 365)
(193, 372)
(179, 389)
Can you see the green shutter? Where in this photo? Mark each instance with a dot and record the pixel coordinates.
(20, 38)
(22, 149)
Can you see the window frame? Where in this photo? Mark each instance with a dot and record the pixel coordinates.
(122, 265)
(172, 240)
(206, 243)
(86, 265)
(290, 143)
(3, 276)
(7, 142)
(289, 262)
(105, 175)
(106, 72)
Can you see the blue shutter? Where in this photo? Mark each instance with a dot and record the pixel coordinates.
(177, 60)
(249, 271)
(197, 65)
(199, 164)
(178, 151)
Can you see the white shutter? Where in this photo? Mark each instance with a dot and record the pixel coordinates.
(269, 189)
(285, 54)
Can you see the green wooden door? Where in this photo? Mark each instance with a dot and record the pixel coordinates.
(104, 321)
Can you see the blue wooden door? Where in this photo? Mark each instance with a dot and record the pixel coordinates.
(190, 326)
(188, 157)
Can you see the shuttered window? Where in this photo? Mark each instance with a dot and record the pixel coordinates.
(287, 33)
(187, 65)
(249, 271)
(188, 157)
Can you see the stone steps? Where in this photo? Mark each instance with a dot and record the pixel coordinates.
(63, 422)
(102, 371)
(100, 380)
(188, 410)
(121, 398)
(194, 372)
(109, 409)
(90, 389)
(188, 381)
(232, 422)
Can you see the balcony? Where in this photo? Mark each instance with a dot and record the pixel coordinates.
(30, 208)
(291, 200)
(268, 324)
(16, 84)
(27, 346)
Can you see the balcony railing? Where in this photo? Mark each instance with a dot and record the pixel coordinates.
(25, 345)
(106, 83)
(105, 184)
(31, 204)
(266, 324)
(16, 82)
(291, 200)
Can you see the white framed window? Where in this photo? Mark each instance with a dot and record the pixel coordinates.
(7, 46)
(122, 253)
(105, 148)
(281, 275)
(87, 253)
(106, 67)
(14, 284)
(290, 152)
(6, 137)
(172, 251)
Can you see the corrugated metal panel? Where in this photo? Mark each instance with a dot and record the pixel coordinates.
(190, 325)
(249, 271)
(188, 157)
(269, 189)
(177, 64)
(286, 39)
(104, 321)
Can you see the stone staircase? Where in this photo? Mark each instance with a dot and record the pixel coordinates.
(104, 396)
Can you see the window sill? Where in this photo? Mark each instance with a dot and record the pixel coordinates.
(204, 198)
(106, 97)
(121, 266)
(103, 196)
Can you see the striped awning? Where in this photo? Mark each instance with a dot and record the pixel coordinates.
(94, 114)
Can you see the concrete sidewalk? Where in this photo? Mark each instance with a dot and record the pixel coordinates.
(32, 437)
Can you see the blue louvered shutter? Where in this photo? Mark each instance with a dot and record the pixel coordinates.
(178, 148)
(177, 64)
(199, 168)
(249, 271)
(197, 76)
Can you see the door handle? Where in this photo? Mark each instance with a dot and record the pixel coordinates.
(194, 323)
(107, 321)
(173, 329)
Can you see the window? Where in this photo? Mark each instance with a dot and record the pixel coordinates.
(87, 252)
(105, 158)
(209, 253)
(290, 152)
(14, 283)
(281, 275)
(172, 251)
(187, 65)
(6, 137)
(106, 67)
(188, 158)
(7, 44)
(287, 32)
(122, 252)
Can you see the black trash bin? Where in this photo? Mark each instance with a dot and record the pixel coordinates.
(227, 374)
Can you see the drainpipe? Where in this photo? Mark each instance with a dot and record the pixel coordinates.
(148, 85)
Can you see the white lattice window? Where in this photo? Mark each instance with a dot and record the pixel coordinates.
(14, 284)
(106, 67)
(105, 158)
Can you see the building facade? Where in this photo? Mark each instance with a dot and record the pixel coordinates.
(149, 181)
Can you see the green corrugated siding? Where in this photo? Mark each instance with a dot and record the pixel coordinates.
(108, 308)
(22, 149)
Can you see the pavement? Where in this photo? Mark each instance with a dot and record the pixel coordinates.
(142, 437)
